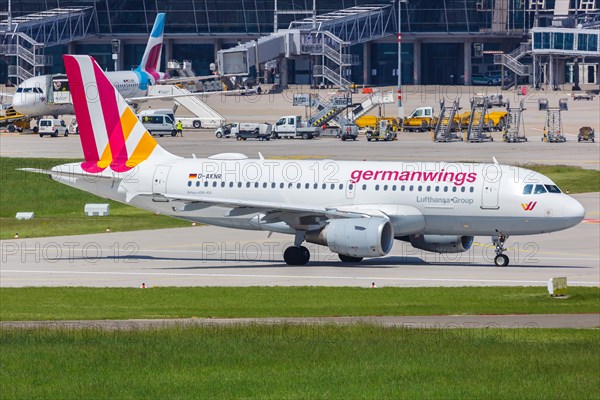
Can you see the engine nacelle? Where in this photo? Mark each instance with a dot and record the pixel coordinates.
(440, 243)
(356, 237)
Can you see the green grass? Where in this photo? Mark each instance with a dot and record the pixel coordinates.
(59, 208)
(168, 302)
(573, 179)
(299, 362)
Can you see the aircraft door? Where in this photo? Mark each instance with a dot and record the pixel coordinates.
(492, 176)
(159, 182)
(350, 190)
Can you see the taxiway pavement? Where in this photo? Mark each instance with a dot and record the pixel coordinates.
(212, 256)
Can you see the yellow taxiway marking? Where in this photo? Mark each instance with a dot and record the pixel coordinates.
(556, 253)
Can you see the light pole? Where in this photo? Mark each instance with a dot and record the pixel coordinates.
(399, 71)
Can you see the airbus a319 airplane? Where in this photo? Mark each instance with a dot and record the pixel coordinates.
(356, 208)
(50, 94)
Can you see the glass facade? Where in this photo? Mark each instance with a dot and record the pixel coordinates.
(195, 28)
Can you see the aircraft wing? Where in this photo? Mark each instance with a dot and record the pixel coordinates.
(297, 210)
(172, 96)
(187, 79)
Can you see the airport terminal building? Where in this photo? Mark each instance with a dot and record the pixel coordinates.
(449, 42)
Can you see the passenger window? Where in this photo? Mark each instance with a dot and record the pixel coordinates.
(230, 184)
(385, 187)
(539, 189)
(403, 188)
(205, 183)
(324, 186)
(376, 187)
(273, 185)
(189, 183)
(248, 184)
(411, 188)
(471, 189)
(445, 188)
(394, 188)
(454, 189)
(256, 185)
(552, 189)
(214, 183)
(332, 186)
(527, 189)
(429, 188)
(307, 186)
(350, 186)
(239, 184)
(298, 185)
(264, 185)
(281, 185)
(420, 188)
(437, 188)
(341, 187)
(222, 184)
(462, 189)
(364, 187)
(316, 186)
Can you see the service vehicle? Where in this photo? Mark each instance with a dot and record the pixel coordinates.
(292, 126)
(348, 132)
(383, 132)
(586, 134)
(13, 120)
(187, 122)
(244, 130)
(52, 127)
(421, 119)
(493, 120)
(159, 124)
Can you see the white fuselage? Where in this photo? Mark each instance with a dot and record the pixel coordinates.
(32, 97)
(418, 198)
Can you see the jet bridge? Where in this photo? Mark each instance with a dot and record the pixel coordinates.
(327, 39)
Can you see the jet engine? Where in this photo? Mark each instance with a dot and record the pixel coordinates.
(355, 237)
(440, 243)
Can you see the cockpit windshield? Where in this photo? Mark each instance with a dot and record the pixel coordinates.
(539, 189)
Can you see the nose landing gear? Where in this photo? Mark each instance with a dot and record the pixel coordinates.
(501, 260)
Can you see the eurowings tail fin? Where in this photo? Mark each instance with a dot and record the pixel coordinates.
(150, 63)
(110, 132)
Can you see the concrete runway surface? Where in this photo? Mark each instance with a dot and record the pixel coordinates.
(212, 256)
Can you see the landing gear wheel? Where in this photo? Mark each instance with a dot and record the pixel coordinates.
(296, 255)
(349, 259)
(501, 260)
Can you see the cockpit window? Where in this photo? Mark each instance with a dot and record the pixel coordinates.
(552, 189)
(539, 189)
(527, 189)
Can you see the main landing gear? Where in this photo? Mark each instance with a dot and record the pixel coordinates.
(297, 254)
(501, 260)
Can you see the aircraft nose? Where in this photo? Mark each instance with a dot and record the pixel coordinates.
(573, 211)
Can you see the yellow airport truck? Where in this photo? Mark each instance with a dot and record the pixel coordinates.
(421, 119)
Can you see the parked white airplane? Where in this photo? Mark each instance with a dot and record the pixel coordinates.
(356, 208)
(50, 94)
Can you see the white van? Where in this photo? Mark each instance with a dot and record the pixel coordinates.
(159, 124)
(52, 127)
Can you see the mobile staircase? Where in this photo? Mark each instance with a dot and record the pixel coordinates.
(514, 131)
(553, 129)
(475, 130)
(445, 126)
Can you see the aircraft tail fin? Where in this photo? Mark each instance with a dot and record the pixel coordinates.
(150, 63)
(110, 132)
